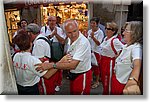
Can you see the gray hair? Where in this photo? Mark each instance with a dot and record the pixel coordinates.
(136, 28)
(34, 28)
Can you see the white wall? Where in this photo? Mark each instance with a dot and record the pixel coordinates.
(7, 79)
(1, 50)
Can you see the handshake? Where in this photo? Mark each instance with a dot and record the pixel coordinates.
(46, 65)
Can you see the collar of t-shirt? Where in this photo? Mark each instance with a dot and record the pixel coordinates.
(48, 28)
(130, 46)
(25, 53)
(110, 38)
(97, 31)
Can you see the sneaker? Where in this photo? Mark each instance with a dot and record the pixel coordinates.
(57, 88)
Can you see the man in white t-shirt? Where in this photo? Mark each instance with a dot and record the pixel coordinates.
(78, 60)
(41, 49)
(55, 34)
(52, 31)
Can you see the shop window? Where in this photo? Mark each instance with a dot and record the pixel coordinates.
(65, 11)
(12, 18)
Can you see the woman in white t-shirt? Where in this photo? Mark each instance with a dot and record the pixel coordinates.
(95, 37)
(109, 49)
(27, 78)
(128, 64)
(21, 25)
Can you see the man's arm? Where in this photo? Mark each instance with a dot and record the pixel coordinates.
(94, 39)
(70, 65)
(65, 63)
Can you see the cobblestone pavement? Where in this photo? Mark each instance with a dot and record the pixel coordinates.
(65, 89)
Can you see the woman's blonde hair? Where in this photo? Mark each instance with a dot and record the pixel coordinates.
(113, 26)
(136, 28)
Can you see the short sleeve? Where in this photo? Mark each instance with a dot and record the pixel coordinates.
(137, 53)
(33, 67)
(118, 45)
(41, 49)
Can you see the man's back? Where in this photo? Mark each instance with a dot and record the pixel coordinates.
(41, 48)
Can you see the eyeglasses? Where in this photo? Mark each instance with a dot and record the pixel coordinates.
(128, 31)
(109, 29)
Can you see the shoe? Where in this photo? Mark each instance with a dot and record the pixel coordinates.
(57, 88)
(95, 85)
(67, 77)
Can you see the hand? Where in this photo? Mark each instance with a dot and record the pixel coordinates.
(43, 66)
(55, 31)
(92, 34)
(132, 90)
(85, 33)
(66, 58)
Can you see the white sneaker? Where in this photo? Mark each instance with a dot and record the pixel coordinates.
(57, 88)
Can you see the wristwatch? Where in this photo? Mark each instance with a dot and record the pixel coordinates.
(132, 78)
(54, 65)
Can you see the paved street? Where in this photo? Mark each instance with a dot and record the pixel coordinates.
(65, 89)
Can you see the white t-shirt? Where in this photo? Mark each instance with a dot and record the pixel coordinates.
(106, 49)
(124, 65)
(25, 73)
(49, 32)
(99, 35)
(80, 50)
(41, 48)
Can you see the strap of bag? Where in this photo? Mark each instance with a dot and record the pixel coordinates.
(52, 47)
(112, 46)
(49, 42)
(45, 29)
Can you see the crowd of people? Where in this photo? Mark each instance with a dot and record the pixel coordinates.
(90, 57)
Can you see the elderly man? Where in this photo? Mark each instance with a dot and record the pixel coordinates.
(41, 49)
(55, 34)
(52, 31)
(78, 60)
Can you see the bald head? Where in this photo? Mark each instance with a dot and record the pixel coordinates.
(70, 24)
(71, 29)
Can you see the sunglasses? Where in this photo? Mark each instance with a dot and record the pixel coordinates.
(109, 29)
